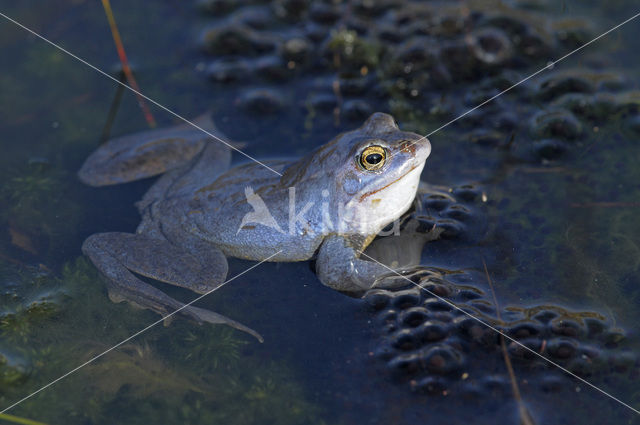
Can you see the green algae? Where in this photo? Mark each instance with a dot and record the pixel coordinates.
(19, 420)
(184, 371)
(41, 215)
(351, 52)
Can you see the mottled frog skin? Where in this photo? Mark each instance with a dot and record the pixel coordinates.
(328, 205)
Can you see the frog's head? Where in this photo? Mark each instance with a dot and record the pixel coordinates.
(378, 174)
(368, 177)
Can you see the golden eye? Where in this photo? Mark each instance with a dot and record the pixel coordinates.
(373, 158)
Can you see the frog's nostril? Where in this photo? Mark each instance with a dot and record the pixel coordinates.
(408, 147)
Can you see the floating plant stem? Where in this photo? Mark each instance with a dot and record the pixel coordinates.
(525, 416)
(126, 69)
(113, 110)
(18, 420)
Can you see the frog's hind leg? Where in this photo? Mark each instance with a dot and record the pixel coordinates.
(117, 255)
(148, 153)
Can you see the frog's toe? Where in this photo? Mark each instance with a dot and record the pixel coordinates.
(392, 280)
(117, 255)
(201, 315)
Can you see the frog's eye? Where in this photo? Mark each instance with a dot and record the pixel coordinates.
(373, 157)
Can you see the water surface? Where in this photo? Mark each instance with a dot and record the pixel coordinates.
(561, 230)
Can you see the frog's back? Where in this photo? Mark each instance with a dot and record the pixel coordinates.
(244, 211)
(225, 190)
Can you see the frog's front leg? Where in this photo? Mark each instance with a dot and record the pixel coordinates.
(117, 255)
(338, 266)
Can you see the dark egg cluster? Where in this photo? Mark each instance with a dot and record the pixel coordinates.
(330, 64)
(557, 111)
(327, 65)
(452, 211)
(441, 334)
(421, 62)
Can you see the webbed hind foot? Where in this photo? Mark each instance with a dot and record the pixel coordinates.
(146, 153)
(117, 255)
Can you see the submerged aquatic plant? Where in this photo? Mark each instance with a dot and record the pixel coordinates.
(126, 69)
(28, 189)
(269, 395)
(353, 52)
(182, 373)
(30, 298)
(212, 348)
(17, 327)
(10, 374)
(19, 420)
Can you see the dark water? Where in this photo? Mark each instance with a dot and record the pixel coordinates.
(558, 227)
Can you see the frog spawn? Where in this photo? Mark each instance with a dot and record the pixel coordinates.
(380, 47)
(428, 340)
(454, 212)
(345, 60)
(401, 55)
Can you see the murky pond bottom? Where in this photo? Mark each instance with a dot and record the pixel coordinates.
(541, 185)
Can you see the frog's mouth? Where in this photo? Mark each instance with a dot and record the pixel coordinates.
(373, 192)
(378, 207)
